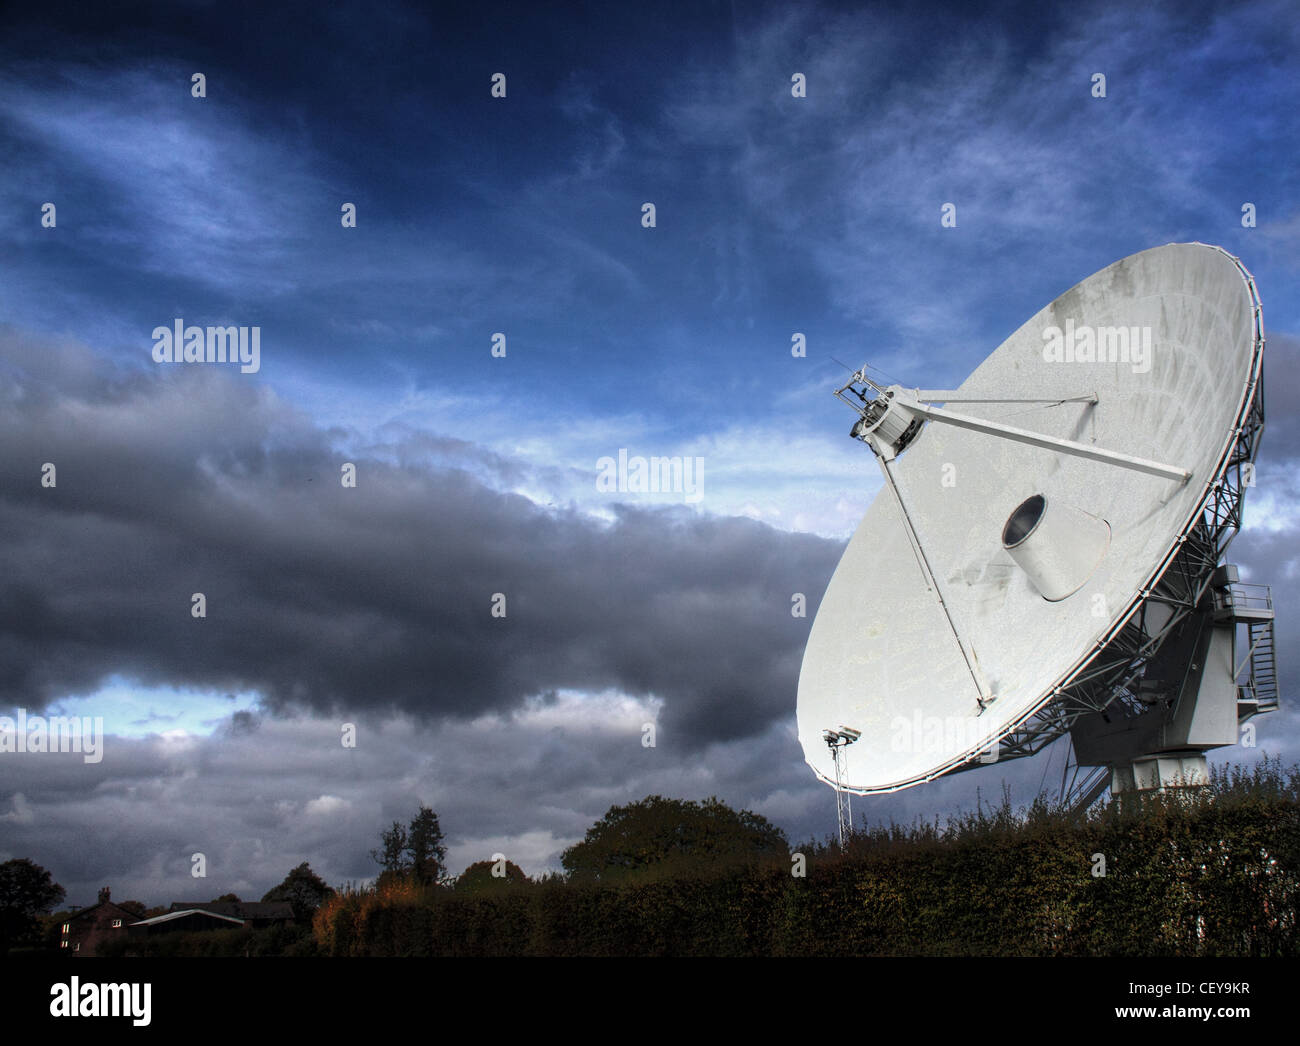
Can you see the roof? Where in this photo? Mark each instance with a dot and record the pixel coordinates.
(186, 912)
(72, 916)
(239, 909)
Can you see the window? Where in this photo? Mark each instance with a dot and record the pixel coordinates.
(63, 944)
(117, 923)
(78, 947)
(67, 927)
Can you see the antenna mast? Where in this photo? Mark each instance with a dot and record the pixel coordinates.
(836, 741)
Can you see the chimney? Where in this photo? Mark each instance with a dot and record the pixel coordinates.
(104, 894)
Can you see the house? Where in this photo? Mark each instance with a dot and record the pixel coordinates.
(192, 916)
(86, 930)
(257, 914)
(186, 920)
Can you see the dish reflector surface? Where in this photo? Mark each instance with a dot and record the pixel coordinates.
(881, 657)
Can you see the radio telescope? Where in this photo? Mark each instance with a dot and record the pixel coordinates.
(1046, 556)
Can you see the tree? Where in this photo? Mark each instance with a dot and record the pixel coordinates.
(226, 897)
(416, 851)
(136, 908)
(478, 876)
(26, 893)
(391, 855)
(672, 834)
(304, 890)
(424, 846)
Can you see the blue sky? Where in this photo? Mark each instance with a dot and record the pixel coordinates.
(522, 215)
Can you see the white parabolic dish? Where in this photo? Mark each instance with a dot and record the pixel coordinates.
(882, 659)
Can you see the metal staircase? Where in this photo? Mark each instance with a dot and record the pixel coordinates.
(1085, 789)
(1261, 688)
(1252, 606)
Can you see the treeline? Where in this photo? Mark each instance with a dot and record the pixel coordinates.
(1215, 872)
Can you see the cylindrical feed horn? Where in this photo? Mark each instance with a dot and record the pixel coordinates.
(1057, 545)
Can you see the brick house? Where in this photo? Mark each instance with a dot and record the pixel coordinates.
(85, 930)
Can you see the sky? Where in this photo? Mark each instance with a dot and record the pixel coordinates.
(478, 473)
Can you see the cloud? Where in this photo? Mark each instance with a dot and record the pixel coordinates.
(180, 481)
(999, 121)
(527, 784)
(175, 193)
(21, 812)
(326, 806)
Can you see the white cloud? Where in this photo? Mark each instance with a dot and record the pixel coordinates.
(326, 806)
(21, 813)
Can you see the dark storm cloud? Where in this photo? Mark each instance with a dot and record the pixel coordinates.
(1281, 396)
(187, 479)
(257, 803)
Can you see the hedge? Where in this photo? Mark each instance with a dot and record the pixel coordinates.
(1216, 874)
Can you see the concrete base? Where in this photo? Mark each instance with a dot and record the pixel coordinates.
(1157, 773)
